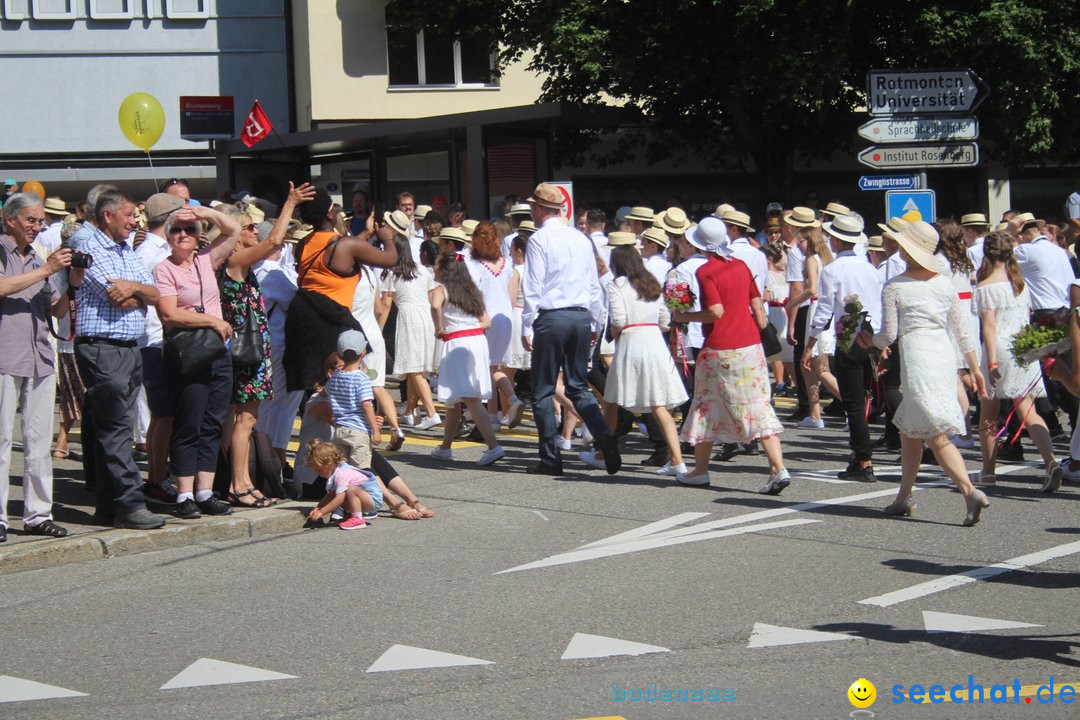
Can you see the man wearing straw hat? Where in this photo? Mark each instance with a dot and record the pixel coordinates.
(49, 238)
(518, 213)
(846, 275)
(640, 219)
(560, 323)
(738, 226)
(654, 244)
(974, 226)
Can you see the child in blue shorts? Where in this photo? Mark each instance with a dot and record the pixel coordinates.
(350, 487)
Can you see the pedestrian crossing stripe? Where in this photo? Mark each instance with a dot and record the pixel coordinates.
(13, 689)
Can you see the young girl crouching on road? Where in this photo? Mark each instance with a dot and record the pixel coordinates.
(358, 491)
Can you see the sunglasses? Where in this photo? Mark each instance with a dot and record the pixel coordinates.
(188, 229)
(250, 227)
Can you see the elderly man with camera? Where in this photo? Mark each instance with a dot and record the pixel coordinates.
(29, 294)
(113, 290)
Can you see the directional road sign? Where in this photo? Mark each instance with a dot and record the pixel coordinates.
(898, 130)
(900, 202)
(915, 92)
(940, 155)
(888, 182)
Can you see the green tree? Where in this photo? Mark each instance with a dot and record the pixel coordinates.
(764, 84)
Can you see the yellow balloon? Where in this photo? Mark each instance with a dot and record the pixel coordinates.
(33, 186)
(142, 120)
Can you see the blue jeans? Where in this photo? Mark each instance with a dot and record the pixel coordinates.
(562, 340)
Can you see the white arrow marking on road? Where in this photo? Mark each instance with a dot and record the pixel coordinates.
(206, 671)
(970, 576)
(406, 657)
(772, 635)
(937, 622)
(583, 645)
(651, 528)
(13, 689)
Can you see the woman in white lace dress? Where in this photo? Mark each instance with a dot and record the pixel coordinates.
(957, 268)
(917, 307)
(1003, 304)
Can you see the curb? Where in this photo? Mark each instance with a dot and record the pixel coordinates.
(284, 518)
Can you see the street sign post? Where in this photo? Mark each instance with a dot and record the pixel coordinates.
(915, 92)
(899, 130)
(900, 202)
(888, 182)
(941, 155)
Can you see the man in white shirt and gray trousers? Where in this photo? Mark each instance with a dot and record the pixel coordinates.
(560, 323)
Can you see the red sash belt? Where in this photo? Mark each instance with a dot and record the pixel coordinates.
(777, 303)
(964, 295)
(627, 327)
(447, 337)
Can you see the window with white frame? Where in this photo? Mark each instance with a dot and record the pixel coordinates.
(428, 59)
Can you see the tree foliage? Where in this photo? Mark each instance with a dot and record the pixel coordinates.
(781, 80)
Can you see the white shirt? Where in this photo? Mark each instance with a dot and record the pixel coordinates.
(1047, 273)
(153, 250)
(796, 264)
(507, 243)
(600, 241)
(414, 244)
(560, 272)
(659, 267)
(754, 259)
(894, 266)
(845, 275)
(975, 253)
(49, 238)
(277, 282)
(686, 272)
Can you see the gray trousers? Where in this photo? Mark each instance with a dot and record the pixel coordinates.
(33, 399)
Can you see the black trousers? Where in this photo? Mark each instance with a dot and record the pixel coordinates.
(853, 376)
(800, 347)
(891, 381)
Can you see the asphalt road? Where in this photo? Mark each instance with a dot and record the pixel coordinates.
(722, 575)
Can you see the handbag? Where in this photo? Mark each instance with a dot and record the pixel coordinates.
(247, 343)
(770, 341)
(192, 350)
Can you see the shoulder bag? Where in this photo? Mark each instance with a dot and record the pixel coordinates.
(246, 347)
(193, 350)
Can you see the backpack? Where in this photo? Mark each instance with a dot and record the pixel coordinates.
(264, 468)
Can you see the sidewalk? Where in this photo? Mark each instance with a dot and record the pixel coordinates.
(73, 509)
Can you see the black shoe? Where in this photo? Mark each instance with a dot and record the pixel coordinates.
(545, 469)
(213, 506)
(140, 519)
(859, 474)
(1010, 451)
(728, 451)
(834, 409)
(106, 520)
(659, 458)
(287, 471)
(852, 468)
(3, 534)
(888, 444)
(609, 445)
(750, 448)
(187, 510)
(474, 435)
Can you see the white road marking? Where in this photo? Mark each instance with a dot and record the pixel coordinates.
(773, 635)
(937, 622)
(542, 515)
(980, 573)
(206, 671)
(583, 645)
(407, 657)
(650, 529)
(13, 689)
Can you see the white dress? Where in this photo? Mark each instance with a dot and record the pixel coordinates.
(414, 339)
(777, 289)
(1011, 313)
(918, 312)
(642, 374)
(464, 370)
(519, 358)
(494, 285)
(826, 344)
(363, 309)
(961, 282)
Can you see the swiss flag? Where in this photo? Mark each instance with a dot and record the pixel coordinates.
(257, 126)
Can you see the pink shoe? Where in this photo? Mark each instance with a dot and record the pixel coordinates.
(356, 522)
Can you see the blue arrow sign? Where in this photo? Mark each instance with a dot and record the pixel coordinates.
(888, 182)
(899, 202)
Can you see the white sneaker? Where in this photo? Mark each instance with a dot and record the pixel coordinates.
(1053, 478)
(776, 483)
(586, 436)
(672, 470)
(440, 454)
(429, 422)
(564, 444)
(517, 410)
(961, 442)
(1068, 474)
(491, 455)
(701, 480)
(809, 422)
(408, 420)
(589, 458)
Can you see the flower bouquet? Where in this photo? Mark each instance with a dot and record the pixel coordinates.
(850, 323)
(679, 296)
(1047, 335)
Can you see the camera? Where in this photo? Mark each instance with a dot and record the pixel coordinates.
(81, 260)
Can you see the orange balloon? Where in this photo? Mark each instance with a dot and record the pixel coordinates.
(33, 186)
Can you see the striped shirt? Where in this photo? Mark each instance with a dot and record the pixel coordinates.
(348, 390)
(97, 316)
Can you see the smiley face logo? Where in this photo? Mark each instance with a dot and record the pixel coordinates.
(862, 693)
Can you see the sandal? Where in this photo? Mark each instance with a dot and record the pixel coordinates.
(424, 512)
(235, 501)
(60, 454)
(257, 494)
(47, 527)
(397, 440)
(409, 514)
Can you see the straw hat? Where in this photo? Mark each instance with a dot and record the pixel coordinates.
(642, 214)
(721, 209)
(802, 217)
(672, 220)
(254, 212)
(738, 219)
(399, 221)
(656, 235)
(55, 206)
(974, 220)
(875, 244)
(1001, 227)
(847, 228)
(1026, 220)
(548, 196)
(420, 212)
(469, 226)
(920, 240)
(617, 239)
(299, 231)
(527, 226)
(836, 209)
(895, 224)
(520, 209)
(712, 237)
(456, 234)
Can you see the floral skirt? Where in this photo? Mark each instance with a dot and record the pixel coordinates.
(731, 398)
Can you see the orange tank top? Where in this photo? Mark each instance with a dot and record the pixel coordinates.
(317, 277)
